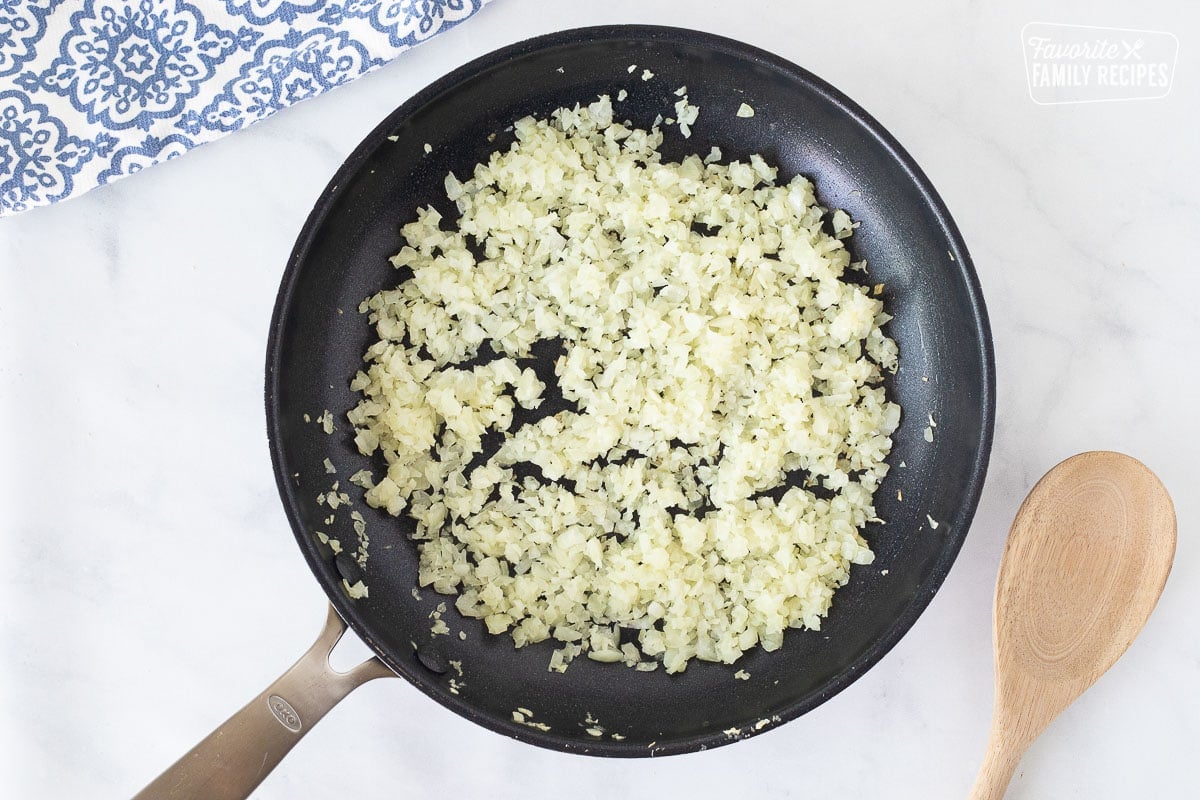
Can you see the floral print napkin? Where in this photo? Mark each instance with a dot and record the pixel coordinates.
(94, 90)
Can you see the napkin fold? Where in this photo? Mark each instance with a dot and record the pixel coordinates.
(94, 90)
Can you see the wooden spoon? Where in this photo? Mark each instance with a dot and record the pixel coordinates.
(1085, 563)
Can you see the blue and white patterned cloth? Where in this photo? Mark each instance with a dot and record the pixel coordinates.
(94, 90)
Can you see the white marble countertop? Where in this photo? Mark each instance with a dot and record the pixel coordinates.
(134, 464)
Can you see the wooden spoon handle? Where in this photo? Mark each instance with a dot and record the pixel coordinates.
(999, 763)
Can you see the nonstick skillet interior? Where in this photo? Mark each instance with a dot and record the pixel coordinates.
(802, 125)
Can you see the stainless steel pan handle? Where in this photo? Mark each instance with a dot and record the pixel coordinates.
(235, 758)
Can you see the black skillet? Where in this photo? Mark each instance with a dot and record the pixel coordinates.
(317, 339)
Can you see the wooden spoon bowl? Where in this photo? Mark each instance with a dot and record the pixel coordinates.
(1086, 561)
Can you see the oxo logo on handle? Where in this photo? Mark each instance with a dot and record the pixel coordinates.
(282, 710)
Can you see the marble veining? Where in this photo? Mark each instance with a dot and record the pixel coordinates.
(150, 586)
